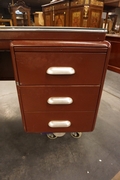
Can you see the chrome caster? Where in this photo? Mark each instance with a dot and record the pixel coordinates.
(59, 134)
(51, 136)
(55, 135)
(76, 134)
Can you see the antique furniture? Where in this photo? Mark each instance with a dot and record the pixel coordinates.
(75, 13)
(59, 76)
(114, 61)
(3, 21)
(20, 13)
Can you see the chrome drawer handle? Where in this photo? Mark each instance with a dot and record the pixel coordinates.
(60, 100)
(59, 124)
(60, 71)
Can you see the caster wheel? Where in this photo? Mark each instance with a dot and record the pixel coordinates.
(59, 134)
(76, 134)
(51, 136)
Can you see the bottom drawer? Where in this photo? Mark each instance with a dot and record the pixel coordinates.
(79, 121)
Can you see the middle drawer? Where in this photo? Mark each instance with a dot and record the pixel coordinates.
(59, 98)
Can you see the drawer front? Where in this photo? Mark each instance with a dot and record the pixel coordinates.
(61, 6)
(49, 8)
(80, 121)
(60, 98)
(32, 67)
(76, 3)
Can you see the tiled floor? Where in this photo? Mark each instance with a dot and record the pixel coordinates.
(95, 156)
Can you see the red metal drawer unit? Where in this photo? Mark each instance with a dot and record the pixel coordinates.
(60, 80)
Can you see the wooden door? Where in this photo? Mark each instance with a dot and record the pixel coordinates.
(48, 18)
(76, 17)
(60, 18)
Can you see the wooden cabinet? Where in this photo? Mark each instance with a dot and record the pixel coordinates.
(57, 15)
(60, 18)
(76, 17)
(20, 13)
(60, 79)
(75, 13)
(48, 17)
(114, 61)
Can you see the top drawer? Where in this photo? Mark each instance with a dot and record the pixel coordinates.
(37, 67)
(32, 61)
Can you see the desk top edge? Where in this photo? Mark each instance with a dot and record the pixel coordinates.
(52, 29)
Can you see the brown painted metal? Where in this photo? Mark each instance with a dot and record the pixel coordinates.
(34, 98)
(32, 66)
(31, 59)
(38, 122)
(19, 33)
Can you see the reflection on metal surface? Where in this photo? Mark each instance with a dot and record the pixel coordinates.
(60, 71)
(60, 100)
(59, 124)
(52, 29)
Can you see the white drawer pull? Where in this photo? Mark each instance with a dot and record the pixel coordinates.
(60, 100)
(59, 124)
(60, 71)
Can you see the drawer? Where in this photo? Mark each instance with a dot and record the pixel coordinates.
(49, 8)
(59, 98)
(76, 3)
(61, 6)
(32, 67)
(80, 121)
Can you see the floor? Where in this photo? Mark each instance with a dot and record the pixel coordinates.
(95, 156)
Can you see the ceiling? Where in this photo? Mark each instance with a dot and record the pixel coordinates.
(30, 3)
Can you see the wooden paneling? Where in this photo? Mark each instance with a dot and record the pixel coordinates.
(75, 13)
(114, 62)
